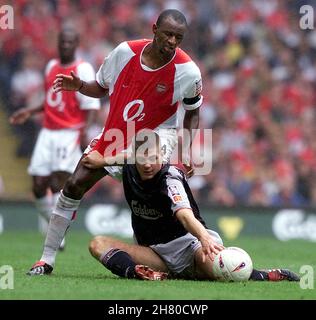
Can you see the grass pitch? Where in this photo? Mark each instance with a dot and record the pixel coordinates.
(78, 276)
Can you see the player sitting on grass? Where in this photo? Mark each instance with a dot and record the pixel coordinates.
(171, 235)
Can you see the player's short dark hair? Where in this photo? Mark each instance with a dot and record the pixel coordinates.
(69, 29)
(144, 141)
(175, 14)
(146, 136)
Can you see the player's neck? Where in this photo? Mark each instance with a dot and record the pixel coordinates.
(152, 58)
(67, 62)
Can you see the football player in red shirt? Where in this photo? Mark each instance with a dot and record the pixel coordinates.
(146, 81)
(66, 117)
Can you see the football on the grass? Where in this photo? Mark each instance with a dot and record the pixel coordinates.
(232, 264)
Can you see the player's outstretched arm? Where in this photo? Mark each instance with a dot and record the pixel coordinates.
(21, 115)
(190, 223)
(74, 83)
(95, 160)
(190, 123)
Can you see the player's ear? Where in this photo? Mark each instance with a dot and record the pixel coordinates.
(154, 28)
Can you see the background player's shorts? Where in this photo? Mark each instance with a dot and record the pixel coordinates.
(178, 254)
(168, 141)
(55, 150)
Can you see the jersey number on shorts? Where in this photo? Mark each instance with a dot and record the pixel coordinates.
(61, 152)
(137, 111)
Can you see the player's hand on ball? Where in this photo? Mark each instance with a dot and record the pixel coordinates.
(94, 160)
(210, 248)
(68, 83)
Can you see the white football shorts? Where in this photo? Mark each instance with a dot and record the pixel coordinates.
(55, 150)
(168, 140)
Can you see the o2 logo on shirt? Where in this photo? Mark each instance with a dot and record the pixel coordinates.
(136, 107)
(55, 99)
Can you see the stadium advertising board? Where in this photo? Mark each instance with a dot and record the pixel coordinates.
(284, 224)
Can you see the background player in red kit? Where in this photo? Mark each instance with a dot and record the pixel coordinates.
(67, 115)
(146, 80)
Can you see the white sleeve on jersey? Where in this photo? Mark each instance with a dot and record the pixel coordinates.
(51, 63)
(190, 83)
(176, 191)
(87, 73)
(113, 65)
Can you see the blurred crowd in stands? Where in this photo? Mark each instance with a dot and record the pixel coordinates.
(259, 76)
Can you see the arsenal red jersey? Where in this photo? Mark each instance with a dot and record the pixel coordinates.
(67, 109)
(144, 97)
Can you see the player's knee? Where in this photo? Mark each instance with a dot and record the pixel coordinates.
(39, 188)
(94, 247)
(38, 192)
(98, 245)
(204, 269)
(74, 187)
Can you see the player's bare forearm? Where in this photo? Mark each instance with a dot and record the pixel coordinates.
(95, 160)
(191, 119)
(190, 123)
(92, 89)
(191, 224)
(74, 83)
(21, 115)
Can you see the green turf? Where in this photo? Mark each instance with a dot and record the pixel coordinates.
(78, 276)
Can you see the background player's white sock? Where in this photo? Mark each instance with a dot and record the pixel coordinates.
(44, 206)
(55, 197)
(59, 223)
